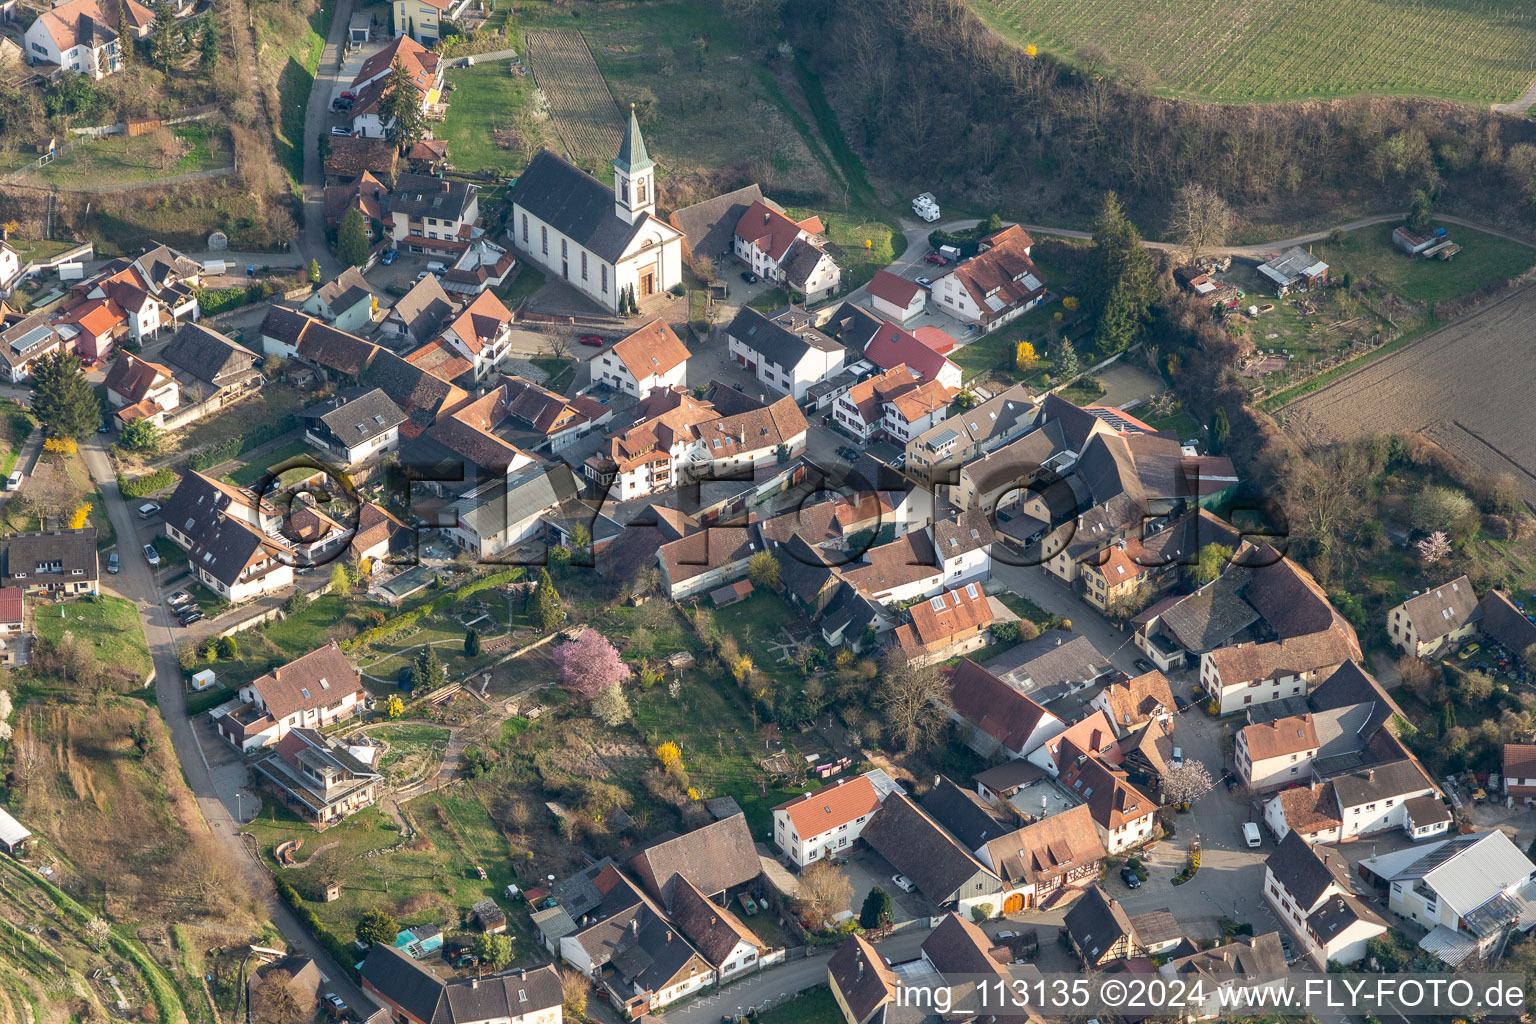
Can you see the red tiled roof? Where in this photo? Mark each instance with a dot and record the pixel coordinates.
(831, 806)
(11, 604)
(651, 350)
(772, 231)
(893, 288)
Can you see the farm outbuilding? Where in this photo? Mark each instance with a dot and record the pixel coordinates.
(1296, 270)
(13, 835)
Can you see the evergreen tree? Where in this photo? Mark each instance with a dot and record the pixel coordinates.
(429, 673)
(1066, 360)
(163, 48)
(877, 911)
(400, 108)
(352, 239)
(125, 37)
(472, 644)
(1122, 276)
(314, 272)
(544, 606)
(62, 398)
(1221, 430)
(208, 45)
(377, 925)
(1447, 718)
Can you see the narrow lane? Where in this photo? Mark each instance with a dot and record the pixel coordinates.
(135, 582)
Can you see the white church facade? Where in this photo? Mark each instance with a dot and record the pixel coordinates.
(600, 241)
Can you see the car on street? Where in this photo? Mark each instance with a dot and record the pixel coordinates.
(112, 564)
(847, 452)
(1143, 665)
(749, 277)
(936, 259)
(591, 339)
(341, 130)
(1251, 834)
(1182, 704)
(925, 282)
(389, 257)
(335, 1005)
(152, 555)
(1177, 760)
(1130, 878)
(903, 883)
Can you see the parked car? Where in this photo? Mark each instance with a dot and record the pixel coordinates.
(348, 95)
(903, 883)
(179, 598)
(335, 1005)
(341, 130)
(152, 555)
(148, 510)
(112, 564)
(1182, 704)
(936, 259)
(389, 257)
(1178, 757)
(1143, 665)
(1251, 834)
(89, 362)
(591, 339)
(13, 482)
(925, 282)
(1130, 878)
(847, 452)
(749, 277)
(1469, 650)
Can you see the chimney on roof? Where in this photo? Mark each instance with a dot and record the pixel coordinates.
(765, 216)
(1370, 775)
(669, 936)
(861, 969)
(634, 926)
(474, 982)
(713, 920)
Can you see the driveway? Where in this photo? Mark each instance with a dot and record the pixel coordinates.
(203, 766)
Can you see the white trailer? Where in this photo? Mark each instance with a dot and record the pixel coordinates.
(926, 207)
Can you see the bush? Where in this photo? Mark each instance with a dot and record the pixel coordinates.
(149, 483)
(1005, 632)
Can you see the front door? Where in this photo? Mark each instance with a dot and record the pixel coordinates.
(1014, 903)
(648, 283)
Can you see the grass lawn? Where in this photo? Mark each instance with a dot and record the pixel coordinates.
(1483, 259)
(170, 552)
(1484, 50)
(38, 249)
(849, 232)
(562, 372)
(407, 738)
(815, 1006)
(274, 401)
(120, 159)
(251, 472)
(524, 283)
(1178, 421)
(431, 880)
(756, 621)
(110, 624)
(770, 301)
(486, 98)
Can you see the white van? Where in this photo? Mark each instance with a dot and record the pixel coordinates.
(13, 482)
(436, 268)
(1251, 834)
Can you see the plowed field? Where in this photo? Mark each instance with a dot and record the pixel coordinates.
(579, 101)
(1468, 387)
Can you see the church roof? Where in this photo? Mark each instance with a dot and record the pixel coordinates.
(577, 205)
(632, 154)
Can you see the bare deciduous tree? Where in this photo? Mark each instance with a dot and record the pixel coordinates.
(824, 893)
(913, 700)
(277, 999)
(1202, 219)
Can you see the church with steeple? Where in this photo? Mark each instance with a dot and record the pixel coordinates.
(599, 239)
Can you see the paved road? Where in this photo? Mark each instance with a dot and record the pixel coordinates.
(1521, 104)
(313, 241)
(136, 583)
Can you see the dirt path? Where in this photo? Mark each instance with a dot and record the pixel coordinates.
(1521, 104)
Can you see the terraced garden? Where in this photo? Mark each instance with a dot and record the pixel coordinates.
(1481, 51)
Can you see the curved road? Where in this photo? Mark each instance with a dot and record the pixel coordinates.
(136, 583)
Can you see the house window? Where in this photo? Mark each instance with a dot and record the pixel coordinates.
(640, 191)
(563, 252)
(525, 228)
(583, 265)
(544, 240)
(603, 273)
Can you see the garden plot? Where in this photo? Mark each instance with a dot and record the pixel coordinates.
(583, 109)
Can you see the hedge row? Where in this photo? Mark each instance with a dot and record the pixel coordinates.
(340, 951)
(148, 484)
(242, 443)
(213, 301)
(437, 604)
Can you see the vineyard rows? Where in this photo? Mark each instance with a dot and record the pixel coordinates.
(579, 101)
(1260, 50)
